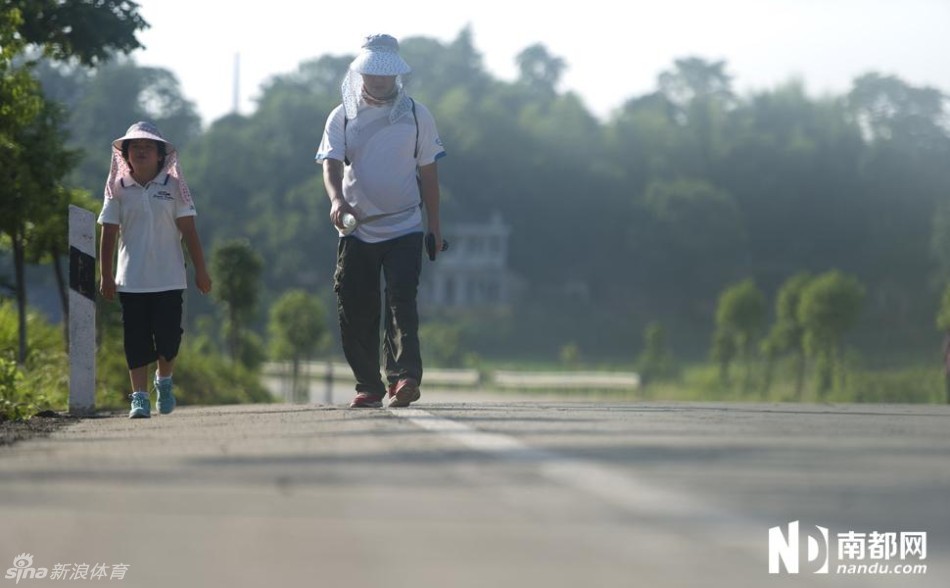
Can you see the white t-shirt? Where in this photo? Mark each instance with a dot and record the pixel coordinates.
(381, 177)
(150, 254)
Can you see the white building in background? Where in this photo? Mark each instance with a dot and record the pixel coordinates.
(473, 273)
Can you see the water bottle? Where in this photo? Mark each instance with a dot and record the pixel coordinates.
(349, 224)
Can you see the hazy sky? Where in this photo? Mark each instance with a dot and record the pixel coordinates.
(609, 57)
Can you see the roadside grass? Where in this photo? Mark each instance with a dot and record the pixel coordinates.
(703, 382)
(41, 383)
(202, 377)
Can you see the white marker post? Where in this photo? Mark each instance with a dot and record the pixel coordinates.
(82, 310)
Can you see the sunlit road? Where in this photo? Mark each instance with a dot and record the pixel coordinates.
(466, 490)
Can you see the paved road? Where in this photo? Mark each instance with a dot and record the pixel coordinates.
(472, 491)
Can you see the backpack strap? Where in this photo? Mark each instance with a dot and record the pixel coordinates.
(415, 152)
(415, 119)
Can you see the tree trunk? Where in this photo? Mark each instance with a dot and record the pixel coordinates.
(234, 341)
(20, 285)
(946, 364)
(799, 374)
(295, 379)
(63, 293)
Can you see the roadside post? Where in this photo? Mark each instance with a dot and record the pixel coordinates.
(82, 311)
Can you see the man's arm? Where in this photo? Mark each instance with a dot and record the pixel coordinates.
(333, 181)
(429, 185)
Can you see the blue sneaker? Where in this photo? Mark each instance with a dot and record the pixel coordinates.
(141, 407)
(166, 399)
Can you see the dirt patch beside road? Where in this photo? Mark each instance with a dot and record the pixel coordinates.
(40, 425)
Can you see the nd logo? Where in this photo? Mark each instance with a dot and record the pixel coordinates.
(785, 547)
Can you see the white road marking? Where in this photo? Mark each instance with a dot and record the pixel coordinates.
(707, 523)
(615, 487)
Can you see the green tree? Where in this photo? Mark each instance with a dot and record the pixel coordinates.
(88, 30)
(701, 93)
(692, 188)
(655, 362)
(440, 69)
(812, 186)
(740, 314)
(34, 161)
(723, 352)
(442, 342)
(694, 230)
(236, 268)
(829, 306)
(22, 104)
(570, 354)
(49, 241)
(940, 241)
(788, 334)
(943, 313)
(887, 108)
(298, 330)
(539, 70)
(943, 323)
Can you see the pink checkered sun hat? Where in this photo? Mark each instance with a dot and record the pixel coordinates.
(144, 130)
(120, 167)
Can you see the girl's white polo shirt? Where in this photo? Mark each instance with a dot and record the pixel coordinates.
(150, 254)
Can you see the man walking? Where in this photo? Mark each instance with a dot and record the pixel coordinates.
(379, 153)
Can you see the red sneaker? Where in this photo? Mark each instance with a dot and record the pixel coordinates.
(367, 400)
(403, 392)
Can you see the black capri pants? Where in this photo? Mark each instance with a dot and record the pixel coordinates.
(151, 325)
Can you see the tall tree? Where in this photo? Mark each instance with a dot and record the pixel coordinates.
(88, 30)
(787, 335)
(23, 104)
(34, 160)
(695, 230)
(539, 70)
(829, 306)
(298, 330)
(236, 268)
(701, 91)
(740, 314)
(49, 240)
(888, 108)
(943, 323)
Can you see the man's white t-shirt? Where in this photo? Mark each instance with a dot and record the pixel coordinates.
(381, 177)
(150, 254)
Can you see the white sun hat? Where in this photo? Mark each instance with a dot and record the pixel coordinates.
(378, 56)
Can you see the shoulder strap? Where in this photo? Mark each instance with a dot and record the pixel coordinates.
(415, 119)
(346, 160)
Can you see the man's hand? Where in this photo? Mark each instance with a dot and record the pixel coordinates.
(339, 207)
(107, 286)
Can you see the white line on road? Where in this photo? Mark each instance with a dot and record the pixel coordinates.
(615, 487)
